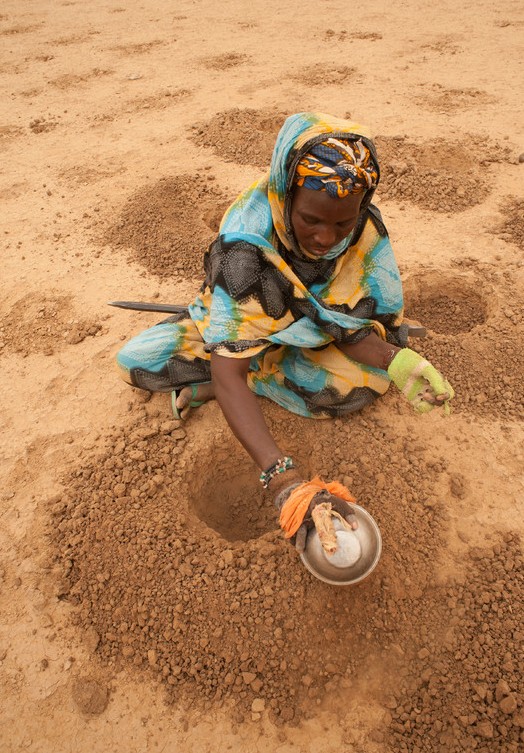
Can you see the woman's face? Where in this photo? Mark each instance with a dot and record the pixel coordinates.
(320, 221)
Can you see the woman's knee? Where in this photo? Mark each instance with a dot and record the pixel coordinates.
(125, 362)
(126, 358)
(150, 350)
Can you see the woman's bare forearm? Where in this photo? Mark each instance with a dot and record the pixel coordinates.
(242, 411)
(371, 351)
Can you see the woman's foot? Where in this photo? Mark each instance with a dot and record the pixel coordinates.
(189, 396)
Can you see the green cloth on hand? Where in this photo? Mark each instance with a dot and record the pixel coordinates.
(417, 379)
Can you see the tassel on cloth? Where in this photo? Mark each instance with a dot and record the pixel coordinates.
(296, 505)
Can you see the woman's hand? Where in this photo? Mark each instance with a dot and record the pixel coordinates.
(420, 382)
(343, 508)
(415, 377)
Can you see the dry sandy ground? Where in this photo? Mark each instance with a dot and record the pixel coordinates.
(128, 624)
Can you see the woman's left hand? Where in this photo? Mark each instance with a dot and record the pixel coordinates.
(420, 382)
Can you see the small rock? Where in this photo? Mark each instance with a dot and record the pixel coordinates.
(287, 713)
(481, 690)
(90, 696)
(484, 729)
(46, 620)
(91, 639)
(501, 690)
(508, 704)
(258, 705)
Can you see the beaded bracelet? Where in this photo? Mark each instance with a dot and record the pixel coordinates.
(280, 466)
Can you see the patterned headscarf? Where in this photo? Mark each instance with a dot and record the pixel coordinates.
(338, 167)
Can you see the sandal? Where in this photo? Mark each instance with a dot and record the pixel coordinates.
(192, 404)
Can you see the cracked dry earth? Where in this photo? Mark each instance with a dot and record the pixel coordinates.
(148, 599)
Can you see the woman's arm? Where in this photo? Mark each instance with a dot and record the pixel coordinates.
(241, 409)
(371, 351)
(244, 416)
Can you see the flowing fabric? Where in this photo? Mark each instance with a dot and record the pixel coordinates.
(263, 298)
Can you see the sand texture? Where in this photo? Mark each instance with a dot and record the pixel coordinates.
(148, 601)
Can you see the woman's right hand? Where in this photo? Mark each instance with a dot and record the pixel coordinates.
(283, 490)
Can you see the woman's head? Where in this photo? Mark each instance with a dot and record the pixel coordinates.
(323, 173)
(330, 182)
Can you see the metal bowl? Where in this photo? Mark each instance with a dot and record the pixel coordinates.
(357, 554)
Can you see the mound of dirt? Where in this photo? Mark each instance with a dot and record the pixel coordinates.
(512, 227)
(441, 99)
(320, 75)
(465, 692)
(243, 136)
(439, 175)
(168, 226)
(211, 598)
(233, 616)
(473, 338)
(43, 324)
(225, 61)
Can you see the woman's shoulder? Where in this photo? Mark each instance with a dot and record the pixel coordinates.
(370, 219)
(242, 270)
(237, 259)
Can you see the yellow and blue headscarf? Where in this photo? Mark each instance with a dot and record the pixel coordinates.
(265, 208)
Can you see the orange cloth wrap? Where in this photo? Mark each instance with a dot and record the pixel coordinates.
(296, 505)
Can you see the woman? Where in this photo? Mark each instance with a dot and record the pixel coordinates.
(302, 303)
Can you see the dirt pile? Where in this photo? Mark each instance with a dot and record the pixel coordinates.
(225, 61)
(225, 612)
(512, 226)
(319, 75)
(204, 592)
(243, 136)
(473, 338)
(465, 692)
(441, 99)
(438, 175)
(168, 226)
(43, 324)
